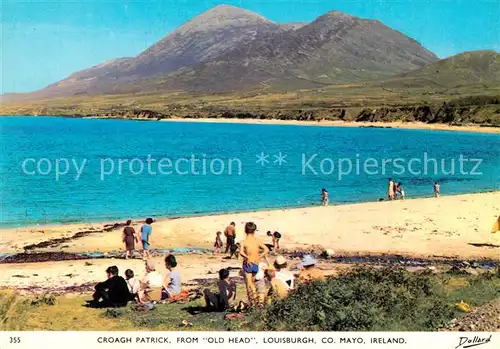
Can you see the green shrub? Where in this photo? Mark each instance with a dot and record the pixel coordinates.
(46, 298)
(113, 313)
(362, 300)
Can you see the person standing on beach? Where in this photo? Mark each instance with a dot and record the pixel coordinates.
(391, 192)
(324, 197)
(146, 231)
(218, 243)
(129, 238)
(436, 189)
(252, 251)
(400, 191)
(230, 234)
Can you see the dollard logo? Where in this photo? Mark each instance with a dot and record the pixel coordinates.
(470, 342)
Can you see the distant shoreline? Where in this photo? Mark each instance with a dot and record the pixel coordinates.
(339, 123)
(326, 123)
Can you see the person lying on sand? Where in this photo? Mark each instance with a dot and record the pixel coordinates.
(129, 237)
(218, 243)
(310, 272)
(111, 293)
(133, 284)
(282, 272)
(230, 234)
(146, 231)
(151, 284)
(252, 251)
(226, 297)
(276, 236)
(172, 279)
(278, 289)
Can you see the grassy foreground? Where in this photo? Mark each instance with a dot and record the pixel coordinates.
(360, 300)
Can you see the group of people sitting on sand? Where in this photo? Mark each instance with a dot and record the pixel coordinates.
(117, 291)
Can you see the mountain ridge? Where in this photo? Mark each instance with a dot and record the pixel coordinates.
(229, 49)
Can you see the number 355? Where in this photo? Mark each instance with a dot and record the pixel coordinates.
(14, 340)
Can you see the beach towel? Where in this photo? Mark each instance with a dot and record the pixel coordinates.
(496, 226)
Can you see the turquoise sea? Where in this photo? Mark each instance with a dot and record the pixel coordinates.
(196, 159)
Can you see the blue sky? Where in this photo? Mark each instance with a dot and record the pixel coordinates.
(44, 41)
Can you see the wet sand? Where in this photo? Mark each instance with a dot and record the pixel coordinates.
(452, 226)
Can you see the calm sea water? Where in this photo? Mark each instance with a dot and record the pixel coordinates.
(29, 198)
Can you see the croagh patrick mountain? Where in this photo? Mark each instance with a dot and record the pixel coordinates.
(228, 49)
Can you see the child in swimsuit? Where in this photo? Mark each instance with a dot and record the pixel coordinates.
(252, 250)
(218, 243)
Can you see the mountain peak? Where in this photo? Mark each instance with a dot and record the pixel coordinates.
(222, 16)
(225, 7)
(336, 15)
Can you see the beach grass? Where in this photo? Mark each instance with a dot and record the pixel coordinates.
(368, 299)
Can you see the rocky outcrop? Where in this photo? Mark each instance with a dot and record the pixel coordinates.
(136, 114)
(447, 113)
(407, 114)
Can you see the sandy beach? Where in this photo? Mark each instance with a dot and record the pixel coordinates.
(340, 123)
(451, 226)
(418, 227)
